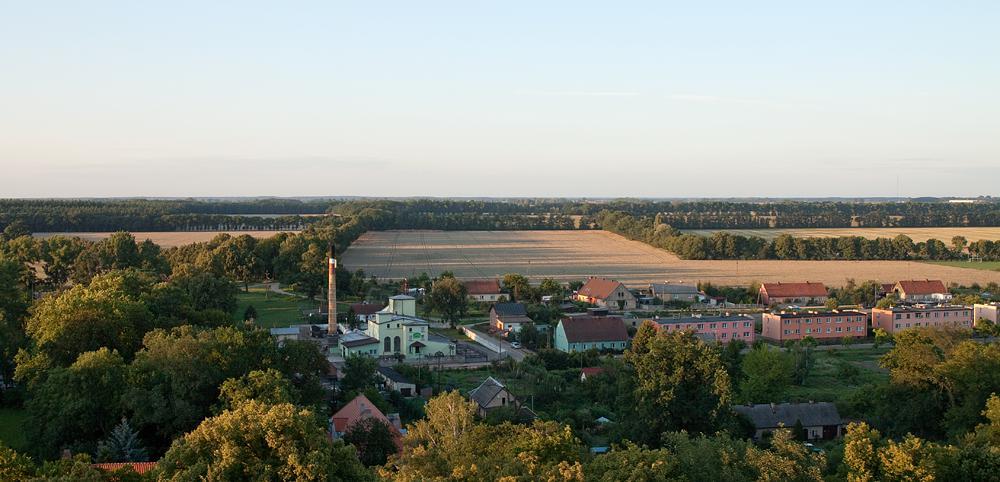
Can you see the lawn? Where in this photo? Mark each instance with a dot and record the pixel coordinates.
(11, 427)
(273, 309)
(983, 265)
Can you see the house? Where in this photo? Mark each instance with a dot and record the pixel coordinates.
(607, 293)
(396, 382)
(793, 293)
(365, 312)
(508, 317)
(796, 325)
(722, 328)
(921, 290)
(484, 291)
(581, 333)
(491, 395)
(899, 318)
(285, 333)
(675, 292)
(819, 419)
(986, 311)
(359, 409)
(589, 372)
(394, 331)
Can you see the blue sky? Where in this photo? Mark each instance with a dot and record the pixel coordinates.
(511, 98)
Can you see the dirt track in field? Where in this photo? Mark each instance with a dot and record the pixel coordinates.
(575, 255)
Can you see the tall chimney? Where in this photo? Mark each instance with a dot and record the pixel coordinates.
(331, 295)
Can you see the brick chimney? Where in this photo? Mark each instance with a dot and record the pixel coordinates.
(331, 294)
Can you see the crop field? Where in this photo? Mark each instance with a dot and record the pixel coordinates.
(167, 239)
(917, 234)
(575, 255)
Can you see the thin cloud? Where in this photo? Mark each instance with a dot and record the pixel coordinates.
(579, 93)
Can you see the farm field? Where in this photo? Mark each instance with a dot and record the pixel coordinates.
(167, 239)
(985, 265)
(917, 234)
(575, 255)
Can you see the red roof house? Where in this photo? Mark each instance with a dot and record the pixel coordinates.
(356, 410)
(138, 467)
(921, 290)
(793, 293)
(487, 290)
(590, 371)
(607, 293)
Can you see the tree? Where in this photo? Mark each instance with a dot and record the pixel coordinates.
(15, 466)
(267, 386)
(207, 290)
(373, 439)
(250, 314)
(958, 244)
(359, 373)
(551, 287)
(74, 407)
(681, 384)
(257, 441)
(450, 298)
(768, 373)
(518, 286)
(122, 445)
(832, 303)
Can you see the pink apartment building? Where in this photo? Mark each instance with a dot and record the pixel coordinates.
(723, 328)
(898, 318)
(796, 325)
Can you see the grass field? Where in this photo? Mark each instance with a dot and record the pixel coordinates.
(273, 309)
(576, 255)
(917, 234)
(167, 239)
(11, 428)
(827, 381)
(984, 265)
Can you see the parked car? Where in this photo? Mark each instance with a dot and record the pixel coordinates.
(515, 344)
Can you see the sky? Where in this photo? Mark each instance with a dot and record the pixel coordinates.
(499, 98)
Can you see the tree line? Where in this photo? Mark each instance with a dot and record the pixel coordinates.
(723, 245)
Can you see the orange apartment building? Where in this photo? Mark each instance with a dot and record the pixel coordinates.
(796, 325)
(899, 318)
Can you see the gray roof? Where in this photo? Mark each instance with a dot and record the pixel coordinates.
(673, 289)
(510, 309)
(392, 374)
(769, 416)
(291, 330)
(703, 319)
(486, 391)
(402, 297)
(356, 338)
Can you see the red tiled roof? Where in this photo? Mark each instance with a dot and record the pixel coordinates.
(591, 371)
(482, 287)
(600, 288)
(138, 467)
(366, 308)
(583, 329)
(888, 287)
(922, 287)
(355, 410)
(792, 290)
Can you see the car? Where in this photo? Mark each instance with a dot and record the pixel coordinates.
(515, 344)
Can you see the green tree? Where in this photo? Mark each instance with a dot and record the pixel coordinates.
(15, 466)
(359, 373)
(681, 384)
(257, 441)
(449, 298)
(267, 386)
(767, 374)
(122, 445)
(373, 439)
(518, 287)
(250, 314)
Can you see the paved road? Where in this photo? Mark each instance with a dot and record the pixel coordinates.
(505, 348)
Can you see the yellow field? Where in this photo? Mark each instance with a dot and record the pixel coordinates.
(575, 255)
(917, 234)
(166, 239)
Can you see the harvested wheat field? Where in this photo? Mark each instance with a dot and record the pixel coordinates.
(575, 255)
(917, 234)
(167, 239)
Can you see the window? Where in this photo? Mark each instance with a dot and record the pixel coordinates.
(808, 321)
(809, 330)
(898, 316)
(723, 335)
(897, 325)
(746, 334)
(701, 326)
(828, 329)
(725, 325)
(711, 326)
(839, 329)
(746, 324)
(788, 322)
(788, 332)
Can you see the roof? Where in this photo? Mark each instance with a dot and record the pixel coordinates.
(366, 308)
(922, 287)
(583, 329)
(291, 330)
(702, 319)
(791, 290)
(482, 287)
(486, 391)
(356, 338)
(417, 344)
(138, 467)
(767, 416)
(392, 374)
(816, 314)
(887, 287)
(514, 319)
(357, 409)
(922, 308)
(600, 288)
(402, 297)
(591, 371)
(673, 289)
(510, 309)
